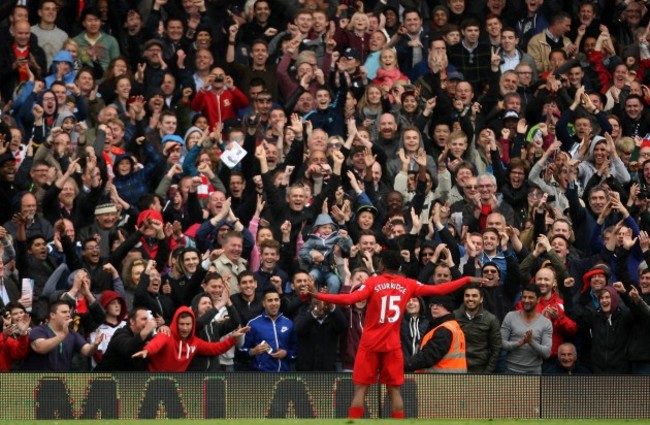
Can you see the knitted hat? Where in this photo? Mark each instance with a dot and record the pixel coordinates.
(595, 270)
(493, 264)
(152, 214)
(105, 209)
(447, 302)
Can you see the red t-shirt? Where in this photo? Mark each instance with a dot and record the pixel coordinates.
(387, 297)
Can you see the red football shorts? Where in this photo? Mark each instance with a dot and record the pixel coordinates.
(389, 366)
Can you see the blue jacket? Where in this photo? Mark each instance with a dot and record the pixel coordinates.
(137, 182)
(279, 334)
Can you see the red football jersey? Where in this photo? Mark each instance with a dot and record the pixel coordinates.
(387, 297)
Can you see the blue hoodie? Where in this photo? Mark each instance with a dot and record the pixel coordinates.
(68, 78)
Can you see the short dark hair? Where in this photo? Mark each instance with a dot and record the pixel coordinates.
(134, 312)
(184, 315)
(212, 276)
(33, 238)
(470, 22)
(391, 259)
(532, 288)
(269, 291)
(473, 286)
(89, 11)
(559, 17)
(244, 274)
(15, 304)
(411, 10)
(54, 305)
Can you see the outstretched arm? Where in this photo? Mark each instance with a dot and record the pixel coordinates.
(445, 288)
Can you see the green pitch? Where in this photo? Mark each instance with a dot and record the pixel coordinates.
(330, 422)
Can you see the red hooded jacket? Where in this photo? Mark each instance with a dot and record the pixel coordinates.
(173, 354)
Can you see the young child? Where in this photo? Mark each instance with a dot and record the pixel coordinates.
(114, 306)
(318, 252)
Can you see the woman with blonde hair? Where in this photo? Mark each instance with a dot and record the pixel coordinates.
(388, 73)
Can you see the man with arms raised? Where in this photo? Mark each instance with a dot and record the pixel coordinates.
(380, 346)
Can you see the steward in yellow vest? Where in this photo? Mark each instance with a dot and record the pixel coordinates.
(443, 348)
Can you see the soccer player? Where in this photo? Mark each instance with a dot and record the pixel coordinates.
(380, 349)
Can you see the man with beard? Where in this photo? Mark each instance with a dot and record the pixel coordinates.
(527, 335)
(388, 140)
(552, 307)
(482, 332)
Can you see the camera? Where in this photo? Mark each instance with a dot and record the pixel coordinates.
(219, 79)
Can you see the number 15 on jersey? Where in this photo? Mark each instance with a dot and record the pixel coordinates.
(390, 308)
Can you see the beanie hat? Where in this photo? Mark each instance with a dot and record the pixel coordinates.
(153, 214)
(493, 264)
(447, 302)
(595, 270)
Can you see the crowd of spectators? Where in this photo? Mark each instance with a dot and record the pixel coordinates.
(185, 168)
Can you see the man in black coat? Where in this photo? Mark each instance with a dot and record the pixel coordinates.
(128, 341)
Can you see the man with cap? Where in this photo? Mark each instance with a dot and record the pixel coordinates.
(443, 348)
(114, 306)
(106, 216)
(152, 74)
(173, 149)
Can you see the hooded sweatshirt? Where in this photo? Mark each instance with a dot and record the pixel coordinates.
(174, 354)
(68, 78)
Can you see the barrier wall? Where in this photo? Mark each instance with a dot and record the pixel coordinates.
(316, 395)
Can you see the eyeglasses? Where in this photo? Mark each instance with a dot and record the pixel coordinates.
(483, 186)
(489, 271)
(524, 73)
(535, 194)
(471, 186)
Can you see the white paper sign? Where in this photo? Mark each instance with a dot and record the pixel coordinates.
(28, 290)
(233, 155)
